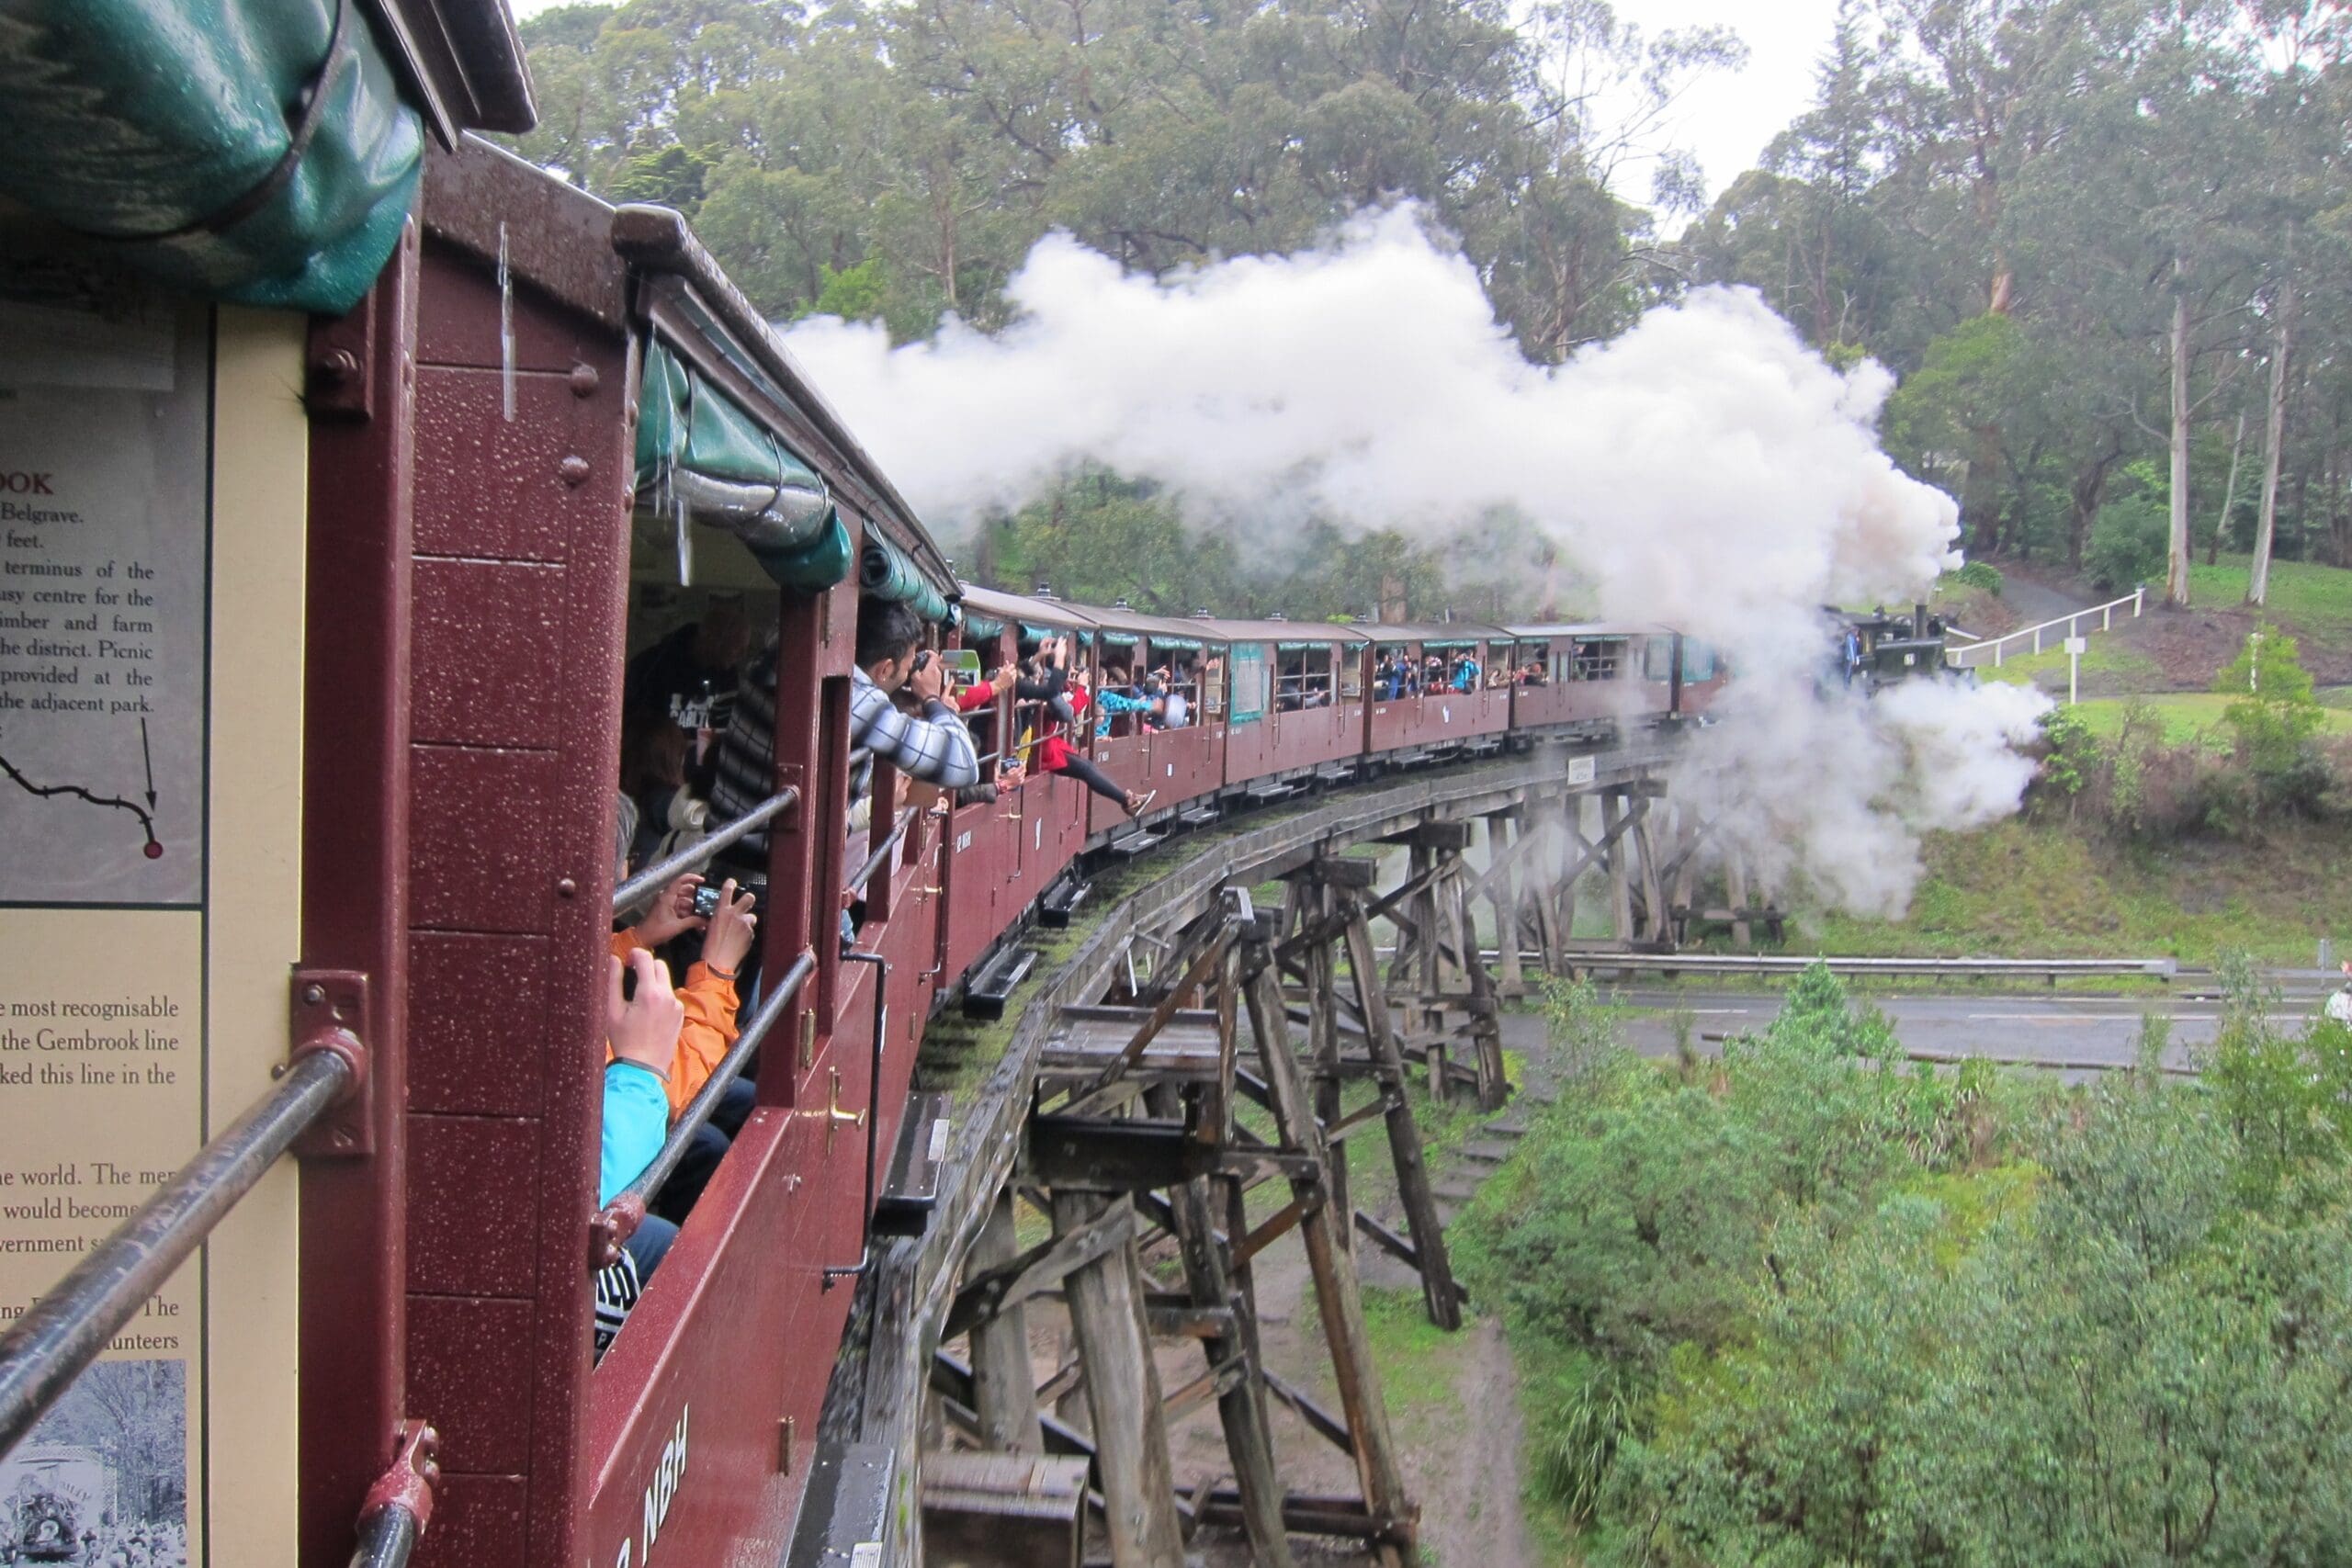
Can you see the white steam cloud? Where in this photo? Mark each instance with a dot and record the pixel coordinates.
(1704, 469)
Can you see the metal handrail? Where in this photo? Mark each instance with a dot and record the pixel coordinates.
(388, 1538)
(697, 855)
(881, 854)
(1968, 658)
(836, 1272)
(47, 1348)
(705, 1101)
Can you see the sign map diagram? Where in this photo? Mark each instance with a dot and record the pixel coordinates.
(103, 547)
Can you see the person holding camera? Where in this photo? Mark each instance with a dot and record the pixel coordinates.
(729, 925)
(641, 1031)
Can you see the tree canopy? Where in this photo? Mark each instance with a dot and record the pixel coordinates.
(2093, 237)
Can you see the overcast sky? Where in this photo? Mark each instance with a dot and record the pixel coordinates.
(1725, 120)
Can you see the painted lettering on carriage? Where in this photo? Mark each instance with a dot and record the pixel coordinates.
(963, 841)
(669, 1473)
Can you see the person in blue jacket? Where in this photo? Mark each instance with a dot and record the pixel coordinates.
(641, 1031)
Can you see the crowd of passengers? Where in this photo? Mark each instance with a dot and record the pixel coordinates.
(697, 748)
(1395, 675)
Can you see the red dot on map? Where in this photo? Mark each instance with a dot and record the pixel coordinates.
(154, 849)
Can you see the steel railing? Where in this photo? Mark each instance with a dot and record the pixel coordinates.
(882, 852)
(1788, 964)
(699, 853)
(1992, 650)
(620, 1216)
(46, 1349)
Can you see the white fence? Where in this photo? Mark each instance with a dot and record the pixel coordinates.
(2032, 639)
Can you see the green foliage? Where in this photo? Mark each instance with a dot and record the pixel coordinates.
(2272, 711)
(666, 176)
(854, 293)
(1984, 1320)
(2070, 758)
(2127, 543)
(1983, 576)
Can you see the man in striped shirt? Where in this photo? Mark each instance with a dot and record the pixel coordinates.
(930, 745)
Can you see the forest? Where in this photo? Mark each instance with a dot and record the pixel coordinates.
(2101, 243)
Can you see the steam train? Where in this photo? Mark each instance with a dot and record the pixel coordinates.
(457, 440)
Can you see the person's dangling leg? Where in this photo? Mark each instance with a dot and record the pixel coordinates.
(1083, 770)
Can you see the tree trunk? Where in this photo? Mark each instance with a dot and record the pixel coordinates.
(2176, 552)
(2229, 494)
(2257, 579)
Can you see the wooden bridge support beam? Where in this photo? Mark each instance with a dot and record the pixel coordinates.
(1123, 1394)
(1241, 1406)
(1429, 1254)
(1003, 1384)
(1336, 1295)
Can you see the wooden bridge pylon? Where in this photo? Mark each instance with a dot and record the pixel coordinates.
(1135, 1137)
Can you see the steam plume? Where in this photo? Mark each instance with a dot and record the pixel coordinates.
(1704, 469)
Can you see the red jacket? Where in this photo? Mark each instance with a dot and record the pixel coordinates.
(1053, 752)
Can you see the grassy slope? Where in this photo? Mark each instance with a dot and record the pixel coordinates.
(2312, 601)
(2190, 715)
(2040, 890)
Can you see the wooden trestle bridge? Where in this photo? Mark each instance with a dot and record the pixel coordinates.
(1113, 1111)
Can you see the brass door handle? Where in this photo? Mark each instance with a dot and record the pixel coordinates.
(833, 1116)
(926, 892)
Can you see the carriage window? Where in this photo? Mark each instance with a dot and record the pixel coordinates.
(1597, 660)
(1307, 677)
(1658, 659)
(1122, 683)
(1171, 684)
(1698, 661)
(1396, 672)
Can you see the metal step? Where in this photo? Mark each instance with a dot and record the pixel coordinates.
(985, 993)
(1265, 792)
(1198, 816)
(904, 1205)
(1136, 843)
(1062, 902)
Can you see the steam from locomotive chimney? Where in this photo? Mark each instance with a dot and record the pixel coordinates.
(1704, 469)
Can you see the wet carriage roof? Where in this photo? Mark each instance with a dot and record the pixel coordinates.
(1443, 634)
(1590, 629)
(642, 266)
(1309, 632)
(1093, 621)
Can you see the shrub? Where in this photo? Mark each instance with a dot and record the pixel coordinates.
(2127, 543)
(2071, 759)
(2273, 716)
(1980, 575)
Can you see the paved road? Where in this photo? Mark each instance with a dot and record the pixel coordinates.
(2072, 1032)
(2032, 602)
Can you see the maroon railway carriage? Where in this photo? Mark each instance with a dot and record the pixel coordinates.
(489, 558)
(1297, 701)
(1170, 764)
(1003, 855)
(1440, 716)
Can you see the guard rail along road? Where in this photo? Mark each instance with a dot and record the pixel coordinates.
(2052, 969)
